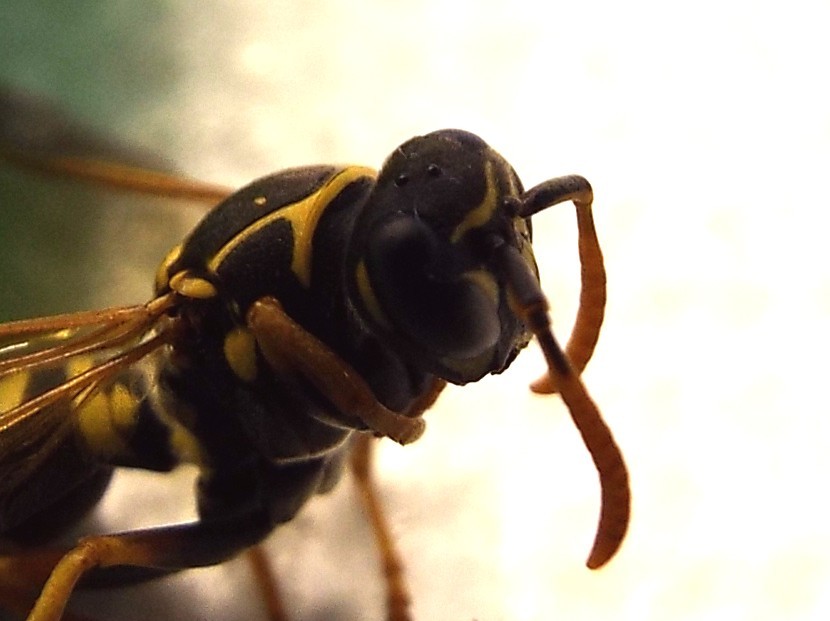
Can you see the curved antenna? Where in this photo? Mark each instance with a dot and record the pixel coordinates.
(592, 297)
(530, 305)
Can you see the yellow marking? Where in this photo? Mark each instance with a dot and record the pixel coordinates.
(13, 390)
(192, 286)
(185, 445)
(513, 302)
(78, 365)
(525, 247)
(259, 201)
(123, 408)
(93, 415)
(96, 424)
(303, 217)
(177, 417)
(240, 352)
(520, 225)
(483, 213)
(162, 276)
(63, 334)
(485, 281)
(367, 294)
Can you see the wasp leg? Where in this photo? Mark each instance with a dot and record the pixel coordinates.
(152, 552)
(267, 582)
(397, 593)
(21, 576)
(18, 599)
(286, 345)
(18, 604)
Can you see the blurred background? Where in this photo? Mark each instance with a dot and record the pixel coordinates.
(705, 130)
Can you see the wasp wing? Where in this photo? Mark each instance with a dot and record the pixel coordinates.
(50, 367)
(38, 136)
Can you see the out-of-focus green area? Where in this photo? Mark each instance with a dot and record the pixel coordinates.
(63, 245)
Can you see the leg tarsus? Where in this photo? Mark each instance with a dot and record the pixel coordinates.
(267, 583)
(168, 548)
(397, 593)
(58, 588)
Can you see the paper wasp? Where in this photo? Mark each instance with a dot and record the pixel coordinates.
(306, 312)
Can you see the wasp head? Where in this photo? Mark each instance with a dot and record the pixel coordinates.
(424, 252)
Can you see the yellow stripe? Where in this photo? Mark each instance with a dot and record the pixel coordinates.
(13, 390)
(78, 365)
(240, 352)
(162, 271)
(486, 282)
(367, 294)
(480, 215)
(192, 286)
(303, 217)
(97, 425)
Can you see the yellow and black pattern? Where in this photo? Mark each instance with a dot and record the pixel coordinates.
(271, 222)
(311, 304)
(72, 442)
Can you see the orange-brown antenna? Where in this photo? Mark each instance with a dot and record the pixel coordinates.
(583, 341)
(530, 304)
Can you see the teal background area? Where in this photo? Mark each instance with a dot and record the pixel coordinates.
(65, 246)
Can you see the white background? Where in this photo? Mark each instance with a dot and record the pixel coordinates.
(704, 129)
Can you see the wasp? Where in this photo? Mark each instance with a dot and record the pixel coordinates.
(307, 312)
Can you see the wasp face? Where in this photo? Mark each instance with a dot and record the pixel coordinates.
(424, 246)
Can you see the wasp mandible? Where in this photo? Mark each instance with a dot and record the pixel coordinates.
(306, 312)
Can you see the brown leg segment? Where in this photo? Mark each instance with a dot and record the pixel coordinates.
(397, 593)
(157, 550)
(285, 344)
(267, 582)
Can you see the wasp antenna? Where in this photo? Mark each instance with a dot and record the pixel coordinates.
(553, 191)
(592, 298)
(616, 494)
(530, 304)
